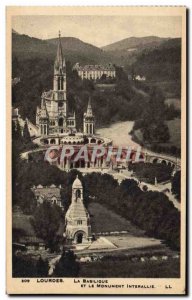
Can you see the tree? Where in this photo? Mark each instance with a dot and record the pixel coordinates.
(23, 266)
(42, 268)
(46, 221)
(130, 186)
(26, 266)
(145, 188)
(25, 198)
(156, 132)
(26, 134)
(147, 172)
(152, 123)
(176, 185)
(67, 266)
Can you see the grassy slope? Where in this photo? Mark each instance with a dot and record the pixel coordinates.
(104, 220)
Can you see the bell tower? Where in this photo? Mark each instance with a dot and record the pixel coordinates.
(77, 220)
(53, 117)
(59, 81)
(89, 120)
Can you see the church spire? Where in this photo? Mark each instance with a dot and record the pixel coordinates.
(59, 61)
(89, 108)
(59, 82)
(89, 120)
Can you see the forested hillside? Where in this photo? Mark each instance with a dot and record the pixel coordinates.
(162, 63)
(135, 43)
(156, 58)
(75, 50)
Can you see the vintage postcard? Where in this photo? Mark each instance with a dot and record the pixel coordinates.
(96, 150)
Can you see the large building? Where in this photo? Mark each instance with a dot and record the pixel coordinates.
(51, 194)
(53, 116)
(54, 123)
(94, 72)
(77, 220)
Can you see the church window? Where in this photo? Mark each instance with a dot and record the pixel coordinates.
(90, 129)
(87, 128)
(79, 222)
(93, 141)
(52, 123)
(45, 129)
(61, 86)
(78, 194)
(52, 141)
(61, 122)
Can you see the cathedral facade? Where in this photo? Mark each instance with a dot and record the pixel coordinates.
(56, 125)
(53, 116)
(77, 220)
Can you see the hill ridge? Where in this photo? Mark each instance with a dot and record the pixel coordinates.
(131, 42)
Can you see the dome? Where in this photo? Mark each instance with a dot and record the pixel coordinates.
(77, 183)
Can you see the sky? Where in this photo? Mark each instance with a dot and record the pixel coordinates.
(98, 30)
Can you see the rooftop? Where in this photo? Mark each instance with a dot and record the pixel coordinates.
(109, 67)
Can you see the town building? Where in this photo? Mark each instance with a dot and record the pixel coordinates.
(140, 78)
(52, 194)
(94, 72)
(77, 220)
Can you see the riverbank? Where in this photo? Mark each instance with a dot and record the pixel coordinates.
(122, 134)
(173, 147)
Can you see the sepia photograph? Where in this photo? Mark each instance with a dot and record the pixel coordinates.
(96, 111)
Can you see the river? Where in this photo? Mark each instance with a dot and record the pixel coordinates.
(119, 133)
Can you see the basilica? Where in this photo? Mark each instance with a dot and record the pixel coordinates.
(56, 125)
(54, 122)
